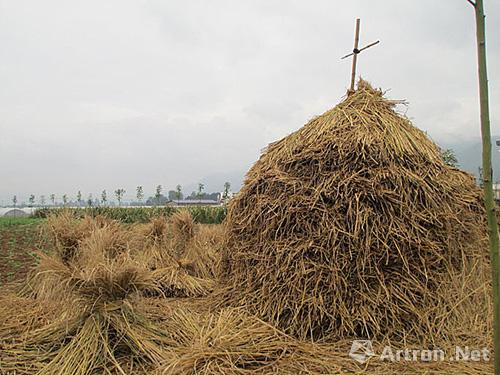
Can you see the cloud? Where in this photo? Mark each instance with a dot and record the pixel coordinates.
(99, 95)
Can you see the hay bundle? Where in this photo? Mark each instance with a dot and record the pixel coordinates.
(183, 230)
(353, 226)
(47, 280)
(155, 231)
(104, 243)
(100, 327)
(68, 231)
(175, 281)
(98, 241)
(202, 255)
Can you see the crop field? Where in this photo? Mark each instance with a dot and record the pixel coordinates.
(20, 238)
(129, 215)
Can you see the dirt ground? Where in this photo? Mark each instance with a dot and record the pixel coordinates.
(19, 242)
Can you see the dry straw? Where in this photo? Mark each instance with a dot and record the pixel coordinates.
(353, 226)
(183, 230)
(85, 301)
(99, 326)
(203, 253)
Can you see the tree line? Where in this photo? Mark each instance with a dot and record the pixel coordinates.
(155, 200)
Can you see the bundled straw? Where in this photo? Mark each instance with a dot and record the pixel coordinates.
(98, 242)
(183, 230)
(354, 226)
(99, 327)
(202, 255)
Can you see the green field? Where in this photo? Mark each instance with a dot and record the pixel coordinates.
(20, 239)
(14, 221)
(201, 214)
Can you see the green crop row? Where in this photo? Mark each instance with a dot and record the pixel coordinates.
(201, 214)
(11, 221)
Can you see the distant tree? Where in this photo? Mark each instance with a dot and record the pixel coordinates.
(79, 198)
(172, 195)
(31, 200)
(119, 193)
(212, 196)
(140, 193)
(42, 200)
(199, 196)
(53, 199)
(14, 200)
(156, 200)
(178, 192)
(89, 200)
(104, 197)
(65, 200)
(449, 157)
(158, 194)
(227, 190)
(200, 190)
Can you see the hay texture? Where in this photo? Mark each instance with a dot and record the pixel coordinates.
(354, 226)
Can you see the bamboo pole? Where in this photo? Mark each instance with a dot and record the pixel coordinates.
(355, 57)
(488, 173)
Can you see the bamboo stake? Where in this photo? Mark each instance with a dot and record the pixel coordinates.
(356, 50)
(488, 174)
(355, 57)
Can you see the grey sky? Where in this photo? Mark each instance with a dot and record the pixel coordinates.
(105, 94)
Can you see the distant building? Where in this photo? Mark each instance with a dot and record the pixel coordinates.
(194, 202)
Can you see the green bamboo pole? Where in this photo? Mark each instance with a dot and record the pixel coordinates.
(487, 174)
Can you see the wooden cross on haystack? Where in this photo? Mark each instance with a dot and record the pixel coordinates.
(355, 53)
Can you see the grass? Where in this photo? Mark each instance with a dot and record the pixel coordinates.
(12, 221)
(20, 238)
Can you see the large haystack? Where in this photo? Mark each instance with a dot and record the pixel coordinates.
(354, 226)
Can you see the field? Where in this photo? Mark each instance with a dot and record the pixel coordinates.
(226, 341)
(130, 215)
(19, 239)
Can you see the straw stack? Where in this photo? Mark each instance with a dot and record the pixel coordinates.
(354, 226)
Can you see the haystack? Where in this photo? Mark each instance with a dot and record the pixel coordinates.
(354, 226)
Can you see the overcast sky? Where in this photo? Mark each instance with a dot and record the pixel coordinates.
(118, 93)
